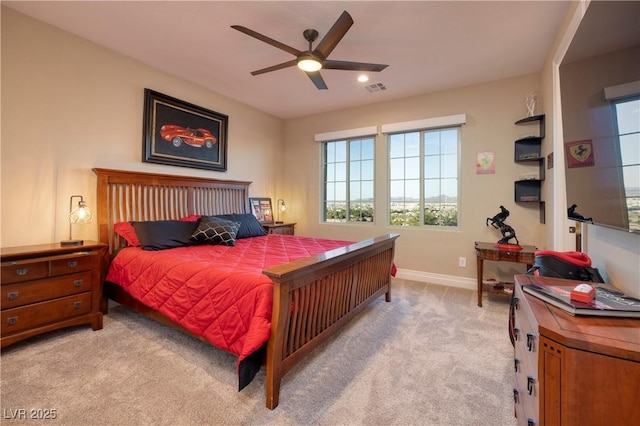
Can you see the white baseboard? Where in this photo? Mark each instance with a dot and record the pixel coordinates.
(427, 277)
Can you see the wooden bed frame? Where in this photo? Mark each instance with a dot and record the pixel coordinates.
(327, 290)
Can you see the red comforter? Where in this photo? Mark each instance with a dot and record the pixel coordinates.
(217, 292)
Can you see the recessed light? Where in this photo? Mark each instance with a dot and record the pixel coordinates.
(362, 78)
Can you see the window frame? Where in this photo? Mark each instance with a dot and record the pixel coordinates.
(632, 213)
(349, 181)
(443, 218)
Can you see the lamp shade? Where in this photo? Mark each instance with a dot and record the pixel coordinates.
(81, 213)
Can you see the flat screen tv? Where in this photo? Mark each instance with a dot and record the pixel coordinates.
(600, 95)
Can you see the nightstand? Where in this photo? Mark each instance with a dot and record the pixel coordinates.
(280, 228)
(48, 286)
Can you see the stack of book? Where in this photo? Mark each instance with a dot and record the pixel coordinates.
(608, 301)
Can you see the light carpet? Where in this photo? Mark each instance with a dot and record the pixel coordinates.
(430, 357)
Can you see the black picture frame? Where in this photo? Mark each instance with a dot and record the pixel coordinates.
(262, 209)
(178, 133)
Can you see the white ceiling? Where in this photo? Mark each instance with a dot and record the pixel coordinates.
(428, 45)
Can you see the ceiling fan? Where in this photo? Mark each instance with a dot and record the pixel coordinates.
(313, 60)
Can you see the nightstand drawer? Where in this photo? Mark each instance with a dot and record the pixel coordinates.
(71, 265)
(15, 272)
(26, 317)
(280, 228)
(14, 295)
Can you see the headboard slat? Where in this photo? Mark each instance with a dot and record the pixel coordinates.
(137, 196)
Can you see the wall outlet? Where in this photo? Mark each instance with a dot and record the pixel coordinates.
(462, 262)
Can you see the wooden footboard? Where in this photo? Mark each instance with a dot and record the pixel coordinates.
(313, 297)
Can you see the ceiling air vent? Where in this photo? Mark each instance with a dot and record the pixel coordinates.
(375, 87)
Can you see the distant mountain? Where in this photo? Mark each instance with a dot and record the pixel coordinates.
(444, 199)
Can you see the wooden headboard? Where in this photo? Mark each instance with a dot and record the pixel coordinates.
(137, 196)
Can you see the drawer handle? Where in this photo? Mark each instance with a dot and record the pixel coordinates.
(516, 396)
(12, 320)
(516, 333)
(530, 382)
(530, 422)
(22, 271)
(530, 342)
(72, 263)
(13, 295)
(516, 364)
(515, 303)
(77, 305)
(77, 283)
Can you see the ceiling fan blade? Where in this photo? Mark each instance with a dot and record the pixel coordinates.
(287, 64)
(352, 66)
(266, 39)
(334, 35)
(317, 80)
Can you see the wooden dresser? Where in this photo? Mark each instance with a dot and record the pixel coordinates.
(48, 286)
(573, 370)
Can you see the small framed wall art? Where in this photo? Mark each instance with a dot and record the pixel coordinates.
(261, 208)
(486, 163)
(178, 133)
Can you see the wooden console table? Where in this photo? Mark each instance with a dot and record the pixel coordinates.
(488, 251)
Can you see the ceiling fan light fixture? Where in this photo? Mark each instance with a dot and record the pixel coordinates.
(309, 64)
(311, 61)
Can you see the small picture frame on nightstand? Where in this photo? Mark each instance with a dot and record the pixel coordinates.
(261, 209)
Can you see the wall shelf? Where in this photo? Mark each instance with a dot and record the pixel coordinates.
(529, 150)
(536, 118)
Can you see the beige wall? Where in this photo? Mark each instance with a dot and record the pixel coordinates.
(491, 110)
(69, 105)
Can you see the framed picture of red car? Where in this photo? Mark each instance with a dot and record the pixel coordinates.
(178, 133)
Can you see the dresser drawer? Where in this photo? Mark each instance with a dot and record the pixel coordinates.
(527, 341)
(26, 317)
(528, 399)
(20, 294)
(15, 272)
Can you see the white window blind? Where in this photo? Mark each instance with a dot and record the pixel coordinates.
(622, 90)
(427, 123)
(346, 134)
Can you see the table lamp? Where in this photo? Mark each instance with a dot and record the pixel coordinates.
(77, 214)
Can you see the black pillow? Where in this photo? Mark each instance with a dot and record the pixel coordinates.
(249, 225)
(213, 230)
(164, 234)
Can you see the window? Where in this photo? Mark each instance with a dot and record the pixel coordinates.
(348, 180)
(628, 121)
(423, 177)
